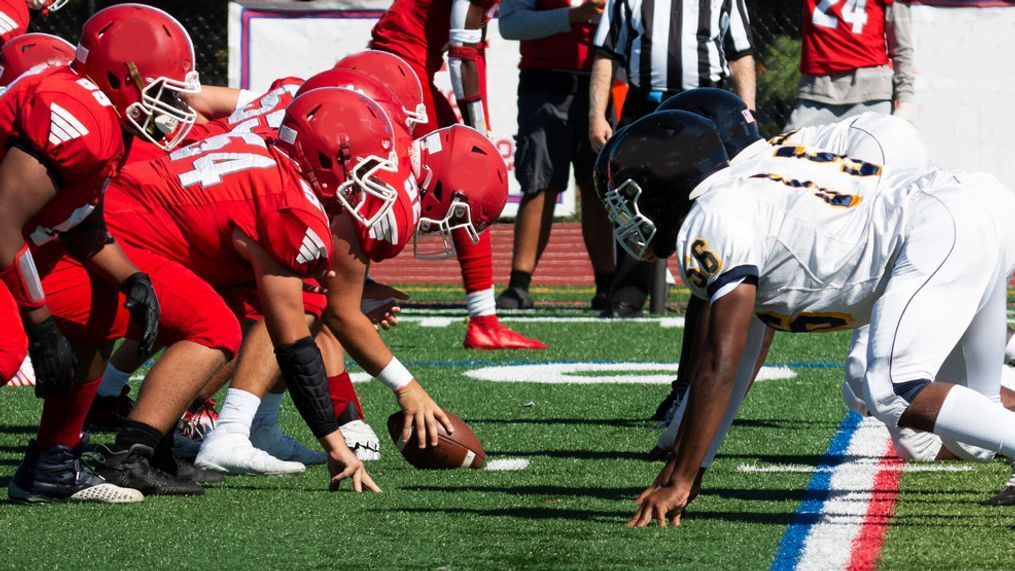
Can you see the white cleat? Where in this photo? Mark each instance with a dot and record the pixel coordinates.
(233, 453)
(362, 440)
(271, 440)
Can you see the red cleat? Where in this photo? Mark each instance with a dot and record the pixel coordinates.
(487, 332)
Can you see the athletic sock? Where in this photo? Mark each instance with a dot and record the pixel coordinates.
(520, 280)
(968, 416)
(237, 414)
(344, 400)
(113, 381)
(63, 416)
(267, 412)
(133, 432)
(475, 260)
(603, 281)
(481, 303)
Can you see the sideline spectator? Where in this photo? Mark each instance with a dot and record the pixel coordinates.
(665, 46)
(553, 111)
(844, 69)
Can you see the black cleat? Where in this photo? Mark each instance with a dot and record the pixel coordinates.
(514, 298)
(132, 468)
(166, 460)
(1006, 497)
(622, 310)
(600, 301)
(677, 392)
(108, 413)
(57, 475)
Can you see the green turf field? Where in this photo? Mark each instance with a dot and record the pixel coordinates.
(584, 444)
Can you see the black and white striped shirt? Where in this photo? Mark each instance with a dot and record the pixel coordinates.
(672, 45)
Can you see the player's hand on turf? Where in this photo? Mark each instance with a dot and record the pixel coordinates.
(144, 309)
(422, 413)
(52, 357)
(344, 465)
(663, 505)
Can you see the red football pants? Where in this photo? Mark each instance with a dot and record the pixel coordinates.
(13, 342)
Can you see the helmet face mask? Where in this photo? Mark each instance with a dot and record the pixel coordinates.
(631, 229)
(362, 183)
(47, 6)
(433, 237)
(162, 117)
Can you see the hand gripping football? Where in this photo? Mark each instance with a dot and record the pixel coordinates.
(459, 450)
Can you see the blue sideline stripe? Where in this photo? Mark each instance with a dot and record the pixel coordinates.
(792, 545)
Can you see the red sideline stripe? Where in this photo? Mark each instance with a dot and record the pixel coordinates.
(867, 545)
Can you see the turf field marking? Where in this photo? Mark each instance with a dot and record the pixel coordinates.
(843, 525)
(445, 321)
(507, 464)
(804, 468)
(597, 373)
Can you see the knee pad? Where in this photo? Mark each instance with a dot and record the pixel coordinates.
(915, 445)
(850, 396)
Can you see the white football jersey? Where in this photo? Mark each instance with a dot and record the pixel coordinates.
(872, 137)
(817, 230)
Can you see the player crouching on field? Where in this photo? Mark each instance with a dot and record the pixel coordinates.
(875, 241)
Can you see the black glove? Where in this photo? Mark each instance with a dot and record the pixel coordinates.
(52, 358)
(144, 309)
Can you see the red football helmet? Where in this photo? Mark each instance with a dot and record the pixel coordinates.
(142, 59)
(47, 6)
(339, 140)
(360, 83)
(393, 72)
(26, 51)
(464, 186)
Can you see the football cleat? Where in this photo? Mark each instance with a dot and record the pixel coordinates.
(664, 412)
(232, 453)
(132, 468)
(514, 298)
(183, 447)
(57, 475)
(362, 440)
(199, 420)
(1006, 497)
(272, 440)
(108, 413)
(487, 332)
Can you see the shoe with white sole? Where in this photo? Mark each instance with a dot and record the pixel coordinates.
(362, 440)
(272, 440)
(233, 453)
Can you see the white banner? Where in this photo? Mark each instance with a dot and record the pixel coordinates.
(268, 41)
(964, 88)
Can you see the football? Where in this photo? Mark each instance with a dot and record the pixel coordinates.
(459, 450)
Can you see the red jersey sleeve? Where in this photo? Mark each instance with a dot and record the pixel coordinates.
(298, 239)
(74, 132)
(13, 19)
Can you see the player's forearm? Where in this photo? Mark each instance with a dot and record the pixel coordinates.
(695, 321)
(213, 102)
(359, 337)
(743, 79)
(603, 69)
(112, 263)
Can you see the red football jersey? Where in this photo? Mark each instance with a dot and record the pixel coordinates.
(389, 236)
(69, 124)
(841, 36)
(186, 205)
(418, 30)
(13, 19)
(262, 115)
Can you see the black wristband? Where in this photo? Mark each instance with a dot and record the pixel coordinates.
(304, 375)
(41, 330)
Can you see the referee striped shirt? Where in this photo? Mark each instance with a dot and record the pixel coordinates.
(672, 45)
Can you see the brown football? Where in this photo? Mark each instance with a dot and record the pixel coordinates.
(459, 450)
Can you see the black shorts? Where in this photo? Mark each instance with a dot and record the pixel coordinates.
(553, 131)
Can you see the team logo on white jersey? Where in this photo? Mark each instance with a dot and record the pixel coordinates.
(312, 248)
(63, 126)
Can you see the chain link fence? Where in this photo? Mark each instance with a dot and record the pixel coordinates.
(775, 23)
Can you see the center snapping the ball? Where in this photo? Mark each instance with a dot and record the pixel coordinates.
(459, 450)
